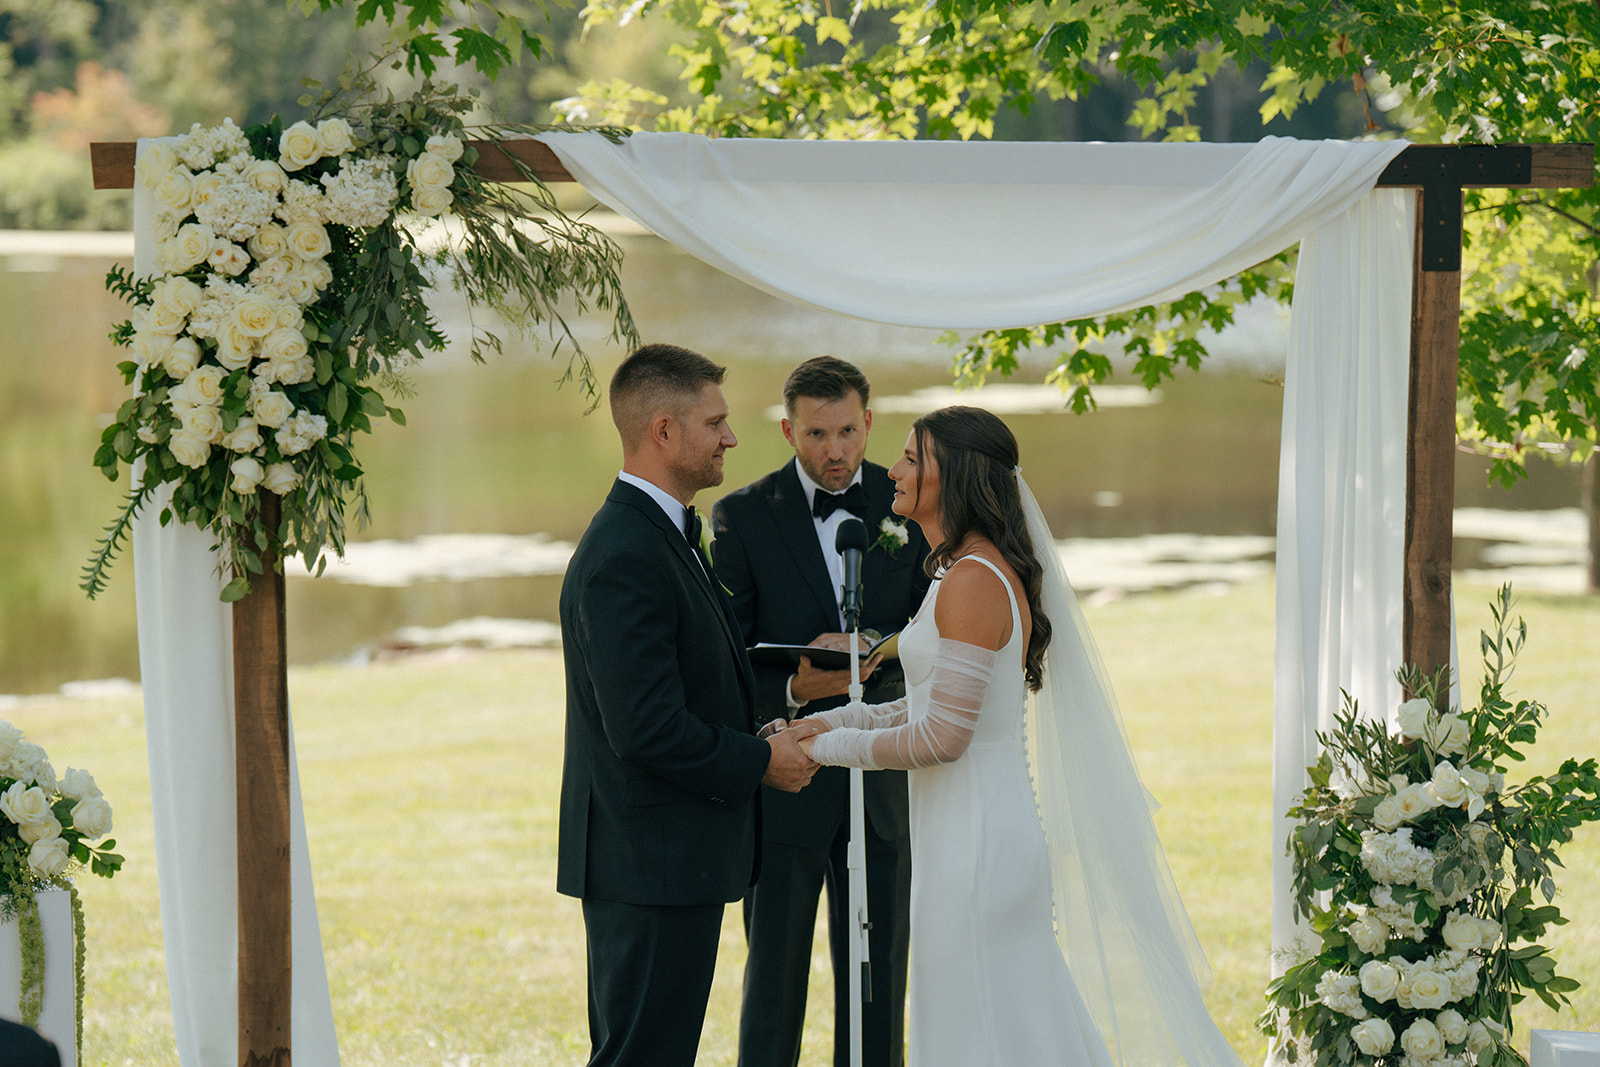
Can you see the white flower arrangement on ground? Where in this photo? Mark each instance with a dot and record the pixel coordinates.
(48, 828)
(1416, 867)
(289, 278)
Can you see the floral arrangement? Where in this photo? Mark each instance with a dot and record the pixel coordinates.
(46, 834)
(892, 537)
(290, 297)
(1426, 879)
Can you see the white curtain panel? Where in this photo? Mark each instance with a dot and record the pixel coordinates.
(1341, 497)
(186, 671)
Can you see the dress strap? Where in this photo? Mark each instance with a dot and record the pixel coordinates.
(1016, 616)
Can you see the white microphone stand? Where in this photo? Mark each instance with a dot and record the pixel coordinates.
(856, 862)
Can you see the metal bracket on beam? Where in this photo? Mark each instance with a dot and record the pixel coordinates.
(1442, 171)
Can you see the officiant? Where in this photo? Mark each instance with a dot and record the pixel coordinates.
(775, 555)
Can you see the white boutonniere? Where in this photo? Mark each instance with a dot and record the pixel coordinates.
(892, 537)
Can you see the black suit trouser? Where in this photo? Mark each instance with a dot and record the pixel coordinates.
(650, 972)
(779, 919)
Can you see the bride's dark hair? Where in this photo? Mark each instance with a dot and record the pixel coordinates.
(977, 458)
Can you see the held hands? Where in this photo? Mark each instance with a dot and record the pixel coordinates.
(790, 767)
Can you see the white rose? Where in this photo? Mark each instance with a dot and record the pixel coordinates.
(269, 242)
(235, 348)
(1452, 1026)
(188, 248)
(1413, 802)
(1430, 990)
(247, 474)
(1386, 816)
(155, 160)
(1451, 735)
(281, 479)
(309, 240)
(204, 385)
(202, 423)
(35, 766)
(1422, 1041)
(255, 314)
(1478, 1037)
(23, 803)
(1373, 1037)
(1413, 717)
(1462, 931)
(1379, 980)
(1447, 787)
(272, 408)
(282, 345)
(189, 450)
(41, 830)
(429, 171)
(205, 188)
(91, 816)
(1476, 780)
(175, 189)
(266, 176)
(228, 258)
(336, 136)
(164, 319)
(291, 371)
(76, 784)
(299, 146)
(10, 737)
(431, 201)
(1370, 934)
(246, 436)
(49, 858)
(447, 146)
(180, 294)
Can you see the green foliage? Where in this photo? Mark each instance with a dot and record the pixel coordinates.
(487, 35)
(1443, 70)
(1411, 856)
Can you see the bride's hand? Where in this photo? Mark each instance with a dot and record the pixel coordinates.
(808, 728)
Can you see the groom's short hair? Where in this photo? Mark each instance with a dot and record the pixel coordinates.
(825, 378)
(654, 379)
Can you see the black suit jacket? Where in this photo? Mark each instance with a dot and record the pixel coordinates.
(768, 557)
(662, 768)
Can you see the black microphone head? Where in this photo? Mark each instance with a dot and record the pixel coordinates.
(852, 534)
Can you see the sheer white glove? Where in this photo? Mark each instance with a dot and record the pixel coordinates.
(960, 678)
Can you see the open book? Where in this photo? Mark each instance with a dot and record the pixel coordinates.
(827, 659)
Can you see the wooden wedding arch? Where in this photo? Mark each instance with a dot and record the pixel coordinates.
(1438, 173)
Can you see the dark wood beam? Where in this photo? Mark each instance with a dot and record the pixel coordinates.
(112, 162)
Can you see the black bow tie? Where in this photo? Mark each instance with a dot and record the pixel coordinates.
(853, 500)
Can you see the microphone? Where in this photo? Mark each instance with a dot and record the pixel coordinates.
(850, 541)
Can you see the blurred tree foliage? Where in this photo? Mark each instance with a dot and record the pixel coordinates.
(1430, 70)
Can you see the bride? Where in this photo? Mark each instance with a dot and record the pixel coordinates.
(1045, 927)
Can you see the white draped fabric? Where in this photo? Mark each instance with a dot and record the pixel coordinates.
(968, 236)
(186, 670)
(1341, 496)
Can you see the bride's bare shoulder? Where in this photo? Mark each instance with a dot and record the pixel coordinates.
(972, 605)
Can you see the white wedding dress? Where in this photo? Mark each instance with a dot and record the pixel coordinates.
(988, 984)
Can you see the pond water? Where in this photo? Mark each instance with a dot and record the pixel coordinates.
(476, 501)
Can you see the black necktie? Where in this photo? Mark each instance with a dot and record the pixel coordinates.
(853, 500)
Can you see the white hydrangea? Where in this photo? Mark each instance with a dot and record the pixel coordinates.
(300, 431)
(203, 147)
(362, 194)
(1341, 992)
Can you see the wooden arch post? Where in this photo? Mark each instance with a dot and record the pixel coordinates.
(1438, 172)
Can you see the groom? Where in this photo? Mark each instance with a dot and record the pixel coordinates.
(661, 770)
(776, 556)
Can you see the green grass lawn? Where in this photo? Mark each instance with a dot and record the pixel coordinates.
(431, 787)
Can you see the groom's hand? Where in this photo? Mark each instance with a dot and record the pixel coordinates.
(789, 769)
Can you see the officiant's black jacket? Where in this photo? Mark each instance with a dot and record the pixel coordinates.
(768, 556)
(662, 768)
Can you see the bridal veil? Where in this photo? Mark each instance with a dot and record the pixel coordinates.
(1119, 919)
